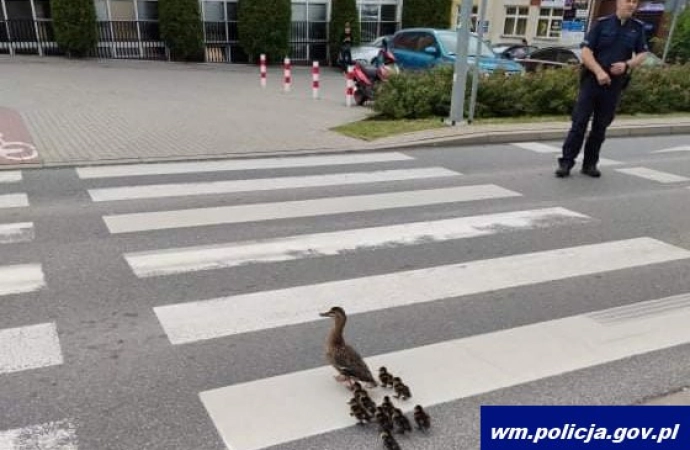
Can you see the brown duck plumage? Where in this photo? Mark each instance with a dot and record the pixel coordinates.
(342, 356)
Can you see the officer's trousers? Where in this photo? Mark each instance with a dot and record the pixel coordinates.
(596, 102)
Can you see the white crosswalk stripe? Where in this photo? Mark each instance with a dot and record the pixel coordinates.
(189, 322)
(538, 147)
(126, 223)
(59, 435)
(237, 164)
(653, 175)
(171, 261)
(223, 187)
(19, 278)
(448, 371)
(10, 176)
(29, 347)
(11, 233)
(18, 200)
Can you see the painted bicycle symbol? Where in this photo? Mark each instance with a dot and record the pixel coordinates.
(17, 151)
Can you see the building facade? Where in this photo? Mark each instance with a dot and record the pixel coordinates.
(129, 28)
(553, 22)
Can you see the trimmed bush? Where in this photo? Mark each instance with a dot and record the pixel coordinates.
(264, 27)
(414, 95)
(680, 44)
(74, 22)
(427, 13)
(342, 11)
(180, 26)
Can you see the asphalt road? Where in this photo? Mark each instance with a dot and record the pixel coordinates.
(104, 352)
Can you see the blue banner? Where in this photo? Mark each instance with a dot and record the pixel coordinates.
(585, 427)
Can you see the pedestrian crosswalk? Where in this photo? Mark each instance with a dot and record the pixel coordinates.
(424, 205)
(461, 367)
(645, 173)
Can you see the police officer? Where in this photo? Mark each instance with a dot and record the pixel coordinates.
(607, 56)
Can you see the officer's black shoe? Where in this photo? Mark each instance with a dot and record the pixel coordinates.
(591, 171)
(563, 168)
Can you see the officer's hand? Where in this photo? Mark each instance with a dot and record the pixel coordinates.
(618, 68)
(603, 78)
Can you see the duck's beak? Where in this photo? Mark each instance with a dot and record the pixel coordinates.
(325, 314)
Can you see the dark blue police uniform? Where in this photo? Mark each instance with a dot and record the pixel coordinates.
(611, 41)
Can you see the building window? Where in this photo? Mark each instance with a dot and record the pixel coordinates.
(550, 22)
(377, 19)
(516, 21)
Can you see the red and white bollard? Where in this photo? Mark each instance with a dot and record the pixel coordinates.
(262, 60)
(287, 75)
(315, 80)
(349, 86)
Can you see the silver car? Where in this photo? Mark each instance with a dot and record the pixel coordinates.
(368, 52)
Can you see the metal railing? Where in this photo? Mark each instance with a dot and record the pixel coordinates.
(141, 39)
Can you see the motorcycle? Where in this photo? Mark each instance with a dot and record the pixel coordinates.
(368, 76)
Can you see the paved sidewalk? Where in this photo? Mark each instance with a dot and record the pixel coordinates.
(117, 111)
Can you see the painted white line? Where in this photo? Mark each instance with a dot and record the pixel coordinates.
(226, 316)
(191, 259)
(653, 175)
(29, 347)
(13, 200)
(538, 147)
(440, 373)
(265, 184)
(126, 223)
(21, 278)
(11, 233)
(12, 176)
(60, 435)
(237, 164)
(681, 148)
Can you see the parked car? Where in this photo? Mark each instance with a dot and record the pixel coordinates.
(513, 51)
(556, 57)
(551, 58)
(422, 48)
(368, 52)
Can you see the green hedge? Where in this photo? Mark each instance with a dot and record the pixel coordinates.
(74, 22)
(426, 13)
(551, 92)
(264, 27)
(180, 26)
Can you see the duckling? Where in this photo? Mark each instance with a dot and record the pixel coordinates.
(385, 377)
(401, 389)
(402, 422)
(366, 402)
(387, 406)
(342, 356)
(359, 413)
(421, 418)
(389, 441)
(383, 419)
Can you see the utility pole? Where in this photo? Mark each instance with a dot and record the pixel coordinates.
(477, 54)
(677, 6)
(457, 101)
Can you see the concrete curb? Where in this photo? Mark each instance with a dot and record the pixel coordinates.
(470, 138)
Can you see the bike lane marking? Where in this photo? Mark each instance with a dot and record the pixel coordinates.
(16, 144)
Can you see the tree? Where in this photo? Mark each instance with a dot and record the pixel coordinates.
(264, 27)
(342, 11)
(427, 13)
(74, 22)
(680, 43)
(180, 26)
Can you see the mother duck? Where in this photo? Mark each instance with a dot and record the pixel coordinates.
(342, 356)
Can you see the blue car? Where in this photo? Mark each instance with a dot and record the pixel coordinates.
(422, 48)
